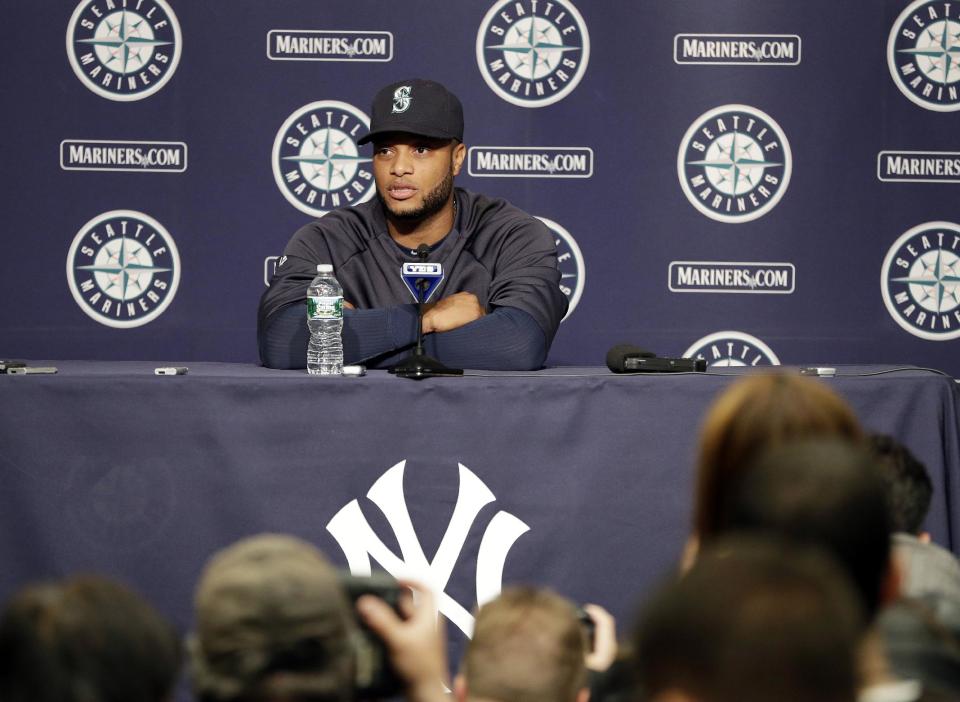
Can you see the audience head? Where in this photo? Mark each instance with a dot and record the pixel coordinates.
(752, 621)
(528, 646)
(825, 493)
(908, 484)
(272, 623)
(85, 639)
(754, 413)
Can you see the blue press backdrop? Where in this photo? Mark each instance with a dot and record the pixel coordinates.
(639, 89)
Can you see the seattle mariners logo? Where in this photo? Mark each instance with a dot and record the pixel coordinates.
(123, 268)
(573, 275)
(923, 54)
(732, 348)
(920, 281)
(123, 53)
(533, 53)
(734, 163)
(360, 543)
(316, 161)
(401, 99)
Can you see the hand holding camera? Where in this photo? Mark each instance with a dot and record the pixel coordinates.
(414, 641)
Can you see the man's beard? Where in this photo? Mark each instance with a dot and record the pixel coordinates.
(433, 202)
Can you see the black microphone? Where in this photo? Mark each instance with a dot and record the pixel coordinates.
(422, 284)
(418, 365)
(618, 355)
(624, 358)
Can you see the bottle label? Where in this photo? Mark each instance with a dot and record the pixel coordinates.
(325, 307)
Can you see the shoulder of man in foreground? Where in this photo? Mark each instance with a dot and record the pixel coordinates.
(928, 568)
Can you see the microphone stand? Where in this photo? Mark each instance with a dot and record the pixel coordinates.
(418, 365)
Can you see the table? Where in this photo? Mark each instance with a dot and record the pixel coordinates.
(571, 477)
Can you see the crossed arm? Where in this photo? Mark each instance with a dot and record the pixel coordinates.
(459, 332)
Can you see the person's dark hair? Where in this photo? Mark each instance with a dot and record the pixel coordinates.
(86, 639)
(753, 414)
(821, 492)
(753, 620)
(909, 489)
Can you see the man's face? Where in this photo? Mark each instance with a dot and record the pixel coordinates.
(414, 174)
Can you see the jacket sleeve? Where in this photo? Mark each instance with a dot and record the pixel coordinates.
(507, 339)
(526, 276)
(368, 335)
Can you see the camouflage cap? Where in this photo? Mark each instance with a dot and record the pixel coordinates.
(270, 603)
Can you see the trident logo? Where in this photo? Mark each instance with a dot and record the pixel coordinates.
(359, 542)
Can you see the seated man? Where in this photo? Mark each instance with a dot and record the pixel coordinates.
(527, 646)
(85, 639)
(499, 304)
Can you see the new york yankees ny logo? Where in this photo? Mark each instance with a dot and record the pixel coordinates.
(360, 544)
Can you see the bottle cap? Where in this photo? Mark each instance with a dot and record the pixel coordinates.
(324, 268)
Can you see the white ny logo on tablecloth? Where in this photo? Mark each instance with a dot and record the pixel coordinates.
(359, 542)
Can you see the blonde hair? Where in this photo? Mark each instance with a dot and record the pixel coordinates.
(527, 646)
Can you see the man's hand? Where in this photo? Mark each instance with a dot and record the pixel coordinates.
(604, 638)
(452, 312)
(415, 643)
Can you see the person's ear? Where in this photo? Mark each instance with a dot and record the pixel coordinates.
(460, 688)
(459, 153)
(924, 537)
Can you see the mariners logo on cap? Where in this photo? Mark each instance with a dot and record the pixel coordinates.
(401, 99)
(923, 54)
(732, 348)
(734, 163)
(920, 281)
(123, 268)
(573, 274)
(123, 53)
(316, 161)
(533, 53)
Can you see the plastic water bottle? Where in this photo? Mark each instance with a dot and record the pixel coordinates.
(325, 321)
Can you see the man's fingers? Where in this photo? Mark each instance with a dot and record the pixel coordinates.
(605, 638)
(407, 607)
(602, 618)
(424, 594)
(377, 614)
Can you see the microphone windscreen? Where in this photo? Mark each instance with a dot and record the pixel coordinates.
(617, 356)
(423, 251)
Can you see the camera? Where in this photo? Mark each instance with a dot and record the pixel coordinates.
(375, 676)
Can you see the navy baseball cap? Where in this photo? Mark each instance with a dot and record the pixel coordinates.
(416, 106)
